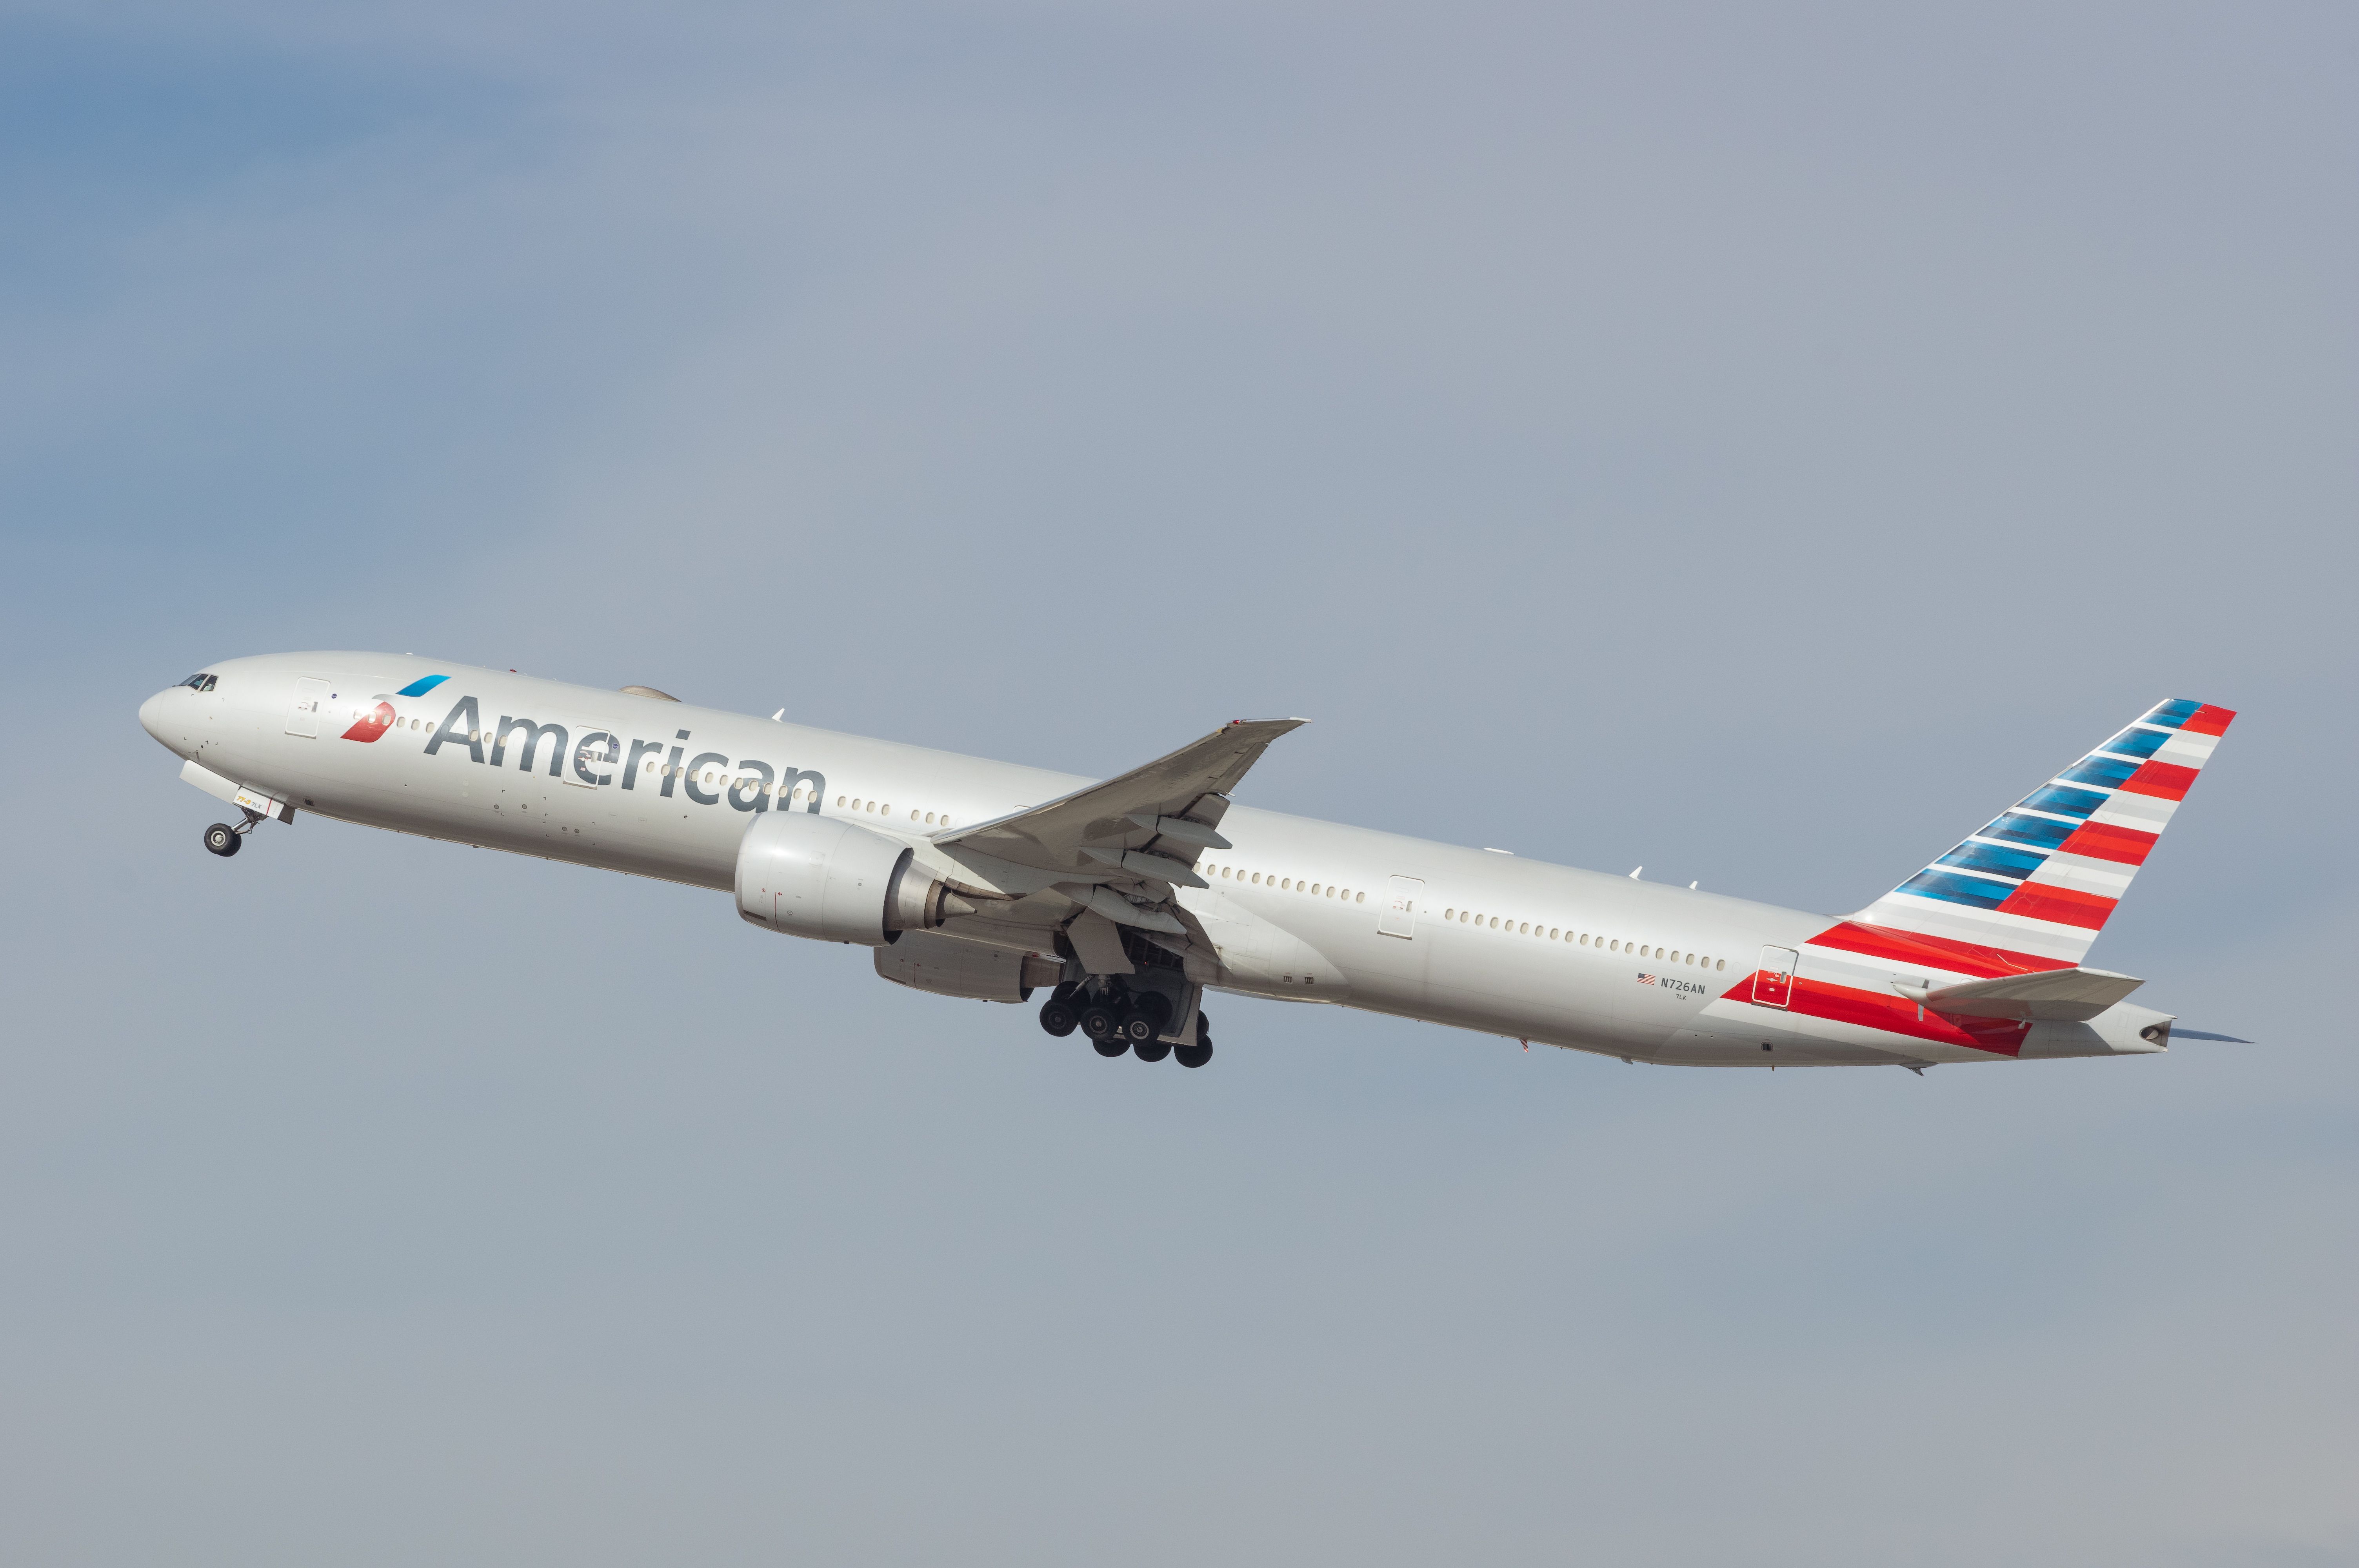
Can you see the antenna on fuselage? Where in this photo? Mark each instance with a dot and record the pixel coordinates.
(1635, 871)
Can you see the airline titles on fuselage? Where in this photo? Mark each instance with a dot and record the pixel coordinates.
(594, 758)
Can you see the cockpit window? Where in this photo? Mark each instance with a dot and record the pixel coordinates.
(198, 683)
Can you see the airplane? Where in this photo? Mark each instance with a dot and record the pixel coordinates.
(1128, 899)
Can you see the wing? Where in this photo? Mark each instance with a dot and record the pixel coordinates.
(1161, 810)
(1120, 846)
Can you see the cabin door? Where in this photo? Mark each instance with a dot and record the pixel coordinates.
(304, 718)
(1399, 916)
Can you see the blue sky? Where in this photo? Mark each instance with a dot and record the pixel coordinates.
(1755, 447)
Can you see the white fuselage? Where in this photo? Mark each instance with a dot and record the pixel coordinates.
(1490, 941)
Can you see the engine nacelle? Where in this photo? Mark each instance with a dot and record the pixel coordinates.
(814, 876)
(947, 967)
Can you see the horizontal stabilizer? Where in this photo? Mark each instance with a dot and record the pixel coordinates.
(2179, 1033)
(2066, 995)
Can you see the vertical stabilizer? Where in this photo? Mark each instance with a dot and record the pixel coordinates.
(2035, 887)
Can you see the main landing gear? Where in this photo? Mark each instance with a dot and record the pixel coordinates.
(1116, 1022)
(225, 840)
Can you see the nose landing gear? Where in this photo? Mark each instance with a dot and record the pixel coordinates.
(225, 840)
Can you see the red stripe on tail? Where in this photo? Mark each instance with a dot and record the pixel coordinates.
(2104, 841)
(2209, 721)
(2168, 780)
(2066, 906)
(1896, 1015)
(1933, 952)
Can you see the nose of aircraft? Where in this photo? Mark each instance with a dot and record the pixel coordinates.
(151, 716)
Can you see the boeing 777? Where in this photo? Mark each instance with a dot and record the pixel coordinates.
(1127, 899)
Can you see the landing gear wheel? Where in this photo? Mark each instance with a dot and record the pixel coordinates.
(222, 839)
(1193, 1055)
(1152, 1049)
(1114, 1046)
(1057, 1017)
(1101, 1024)
(1138, 1028)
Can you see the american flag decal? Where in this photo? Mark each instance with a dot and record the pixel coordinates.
(1646, 980)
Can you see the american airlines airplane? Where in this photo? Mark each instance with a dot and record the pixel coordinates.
(1127, 899)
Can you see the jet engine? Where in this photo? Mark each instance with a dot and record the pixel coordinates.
(814, 876)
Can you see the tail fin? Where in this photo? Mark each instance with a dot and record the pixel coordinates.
(2039, 882)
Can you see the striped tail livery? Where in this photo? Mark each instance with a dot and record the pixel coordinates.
(2038, 884)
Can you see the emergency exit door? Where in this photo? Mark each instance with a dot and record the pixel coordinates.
(1773, 982)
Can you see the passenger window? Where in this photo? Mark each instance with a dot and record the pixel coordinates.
(1359, 898)
(1721, 965)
